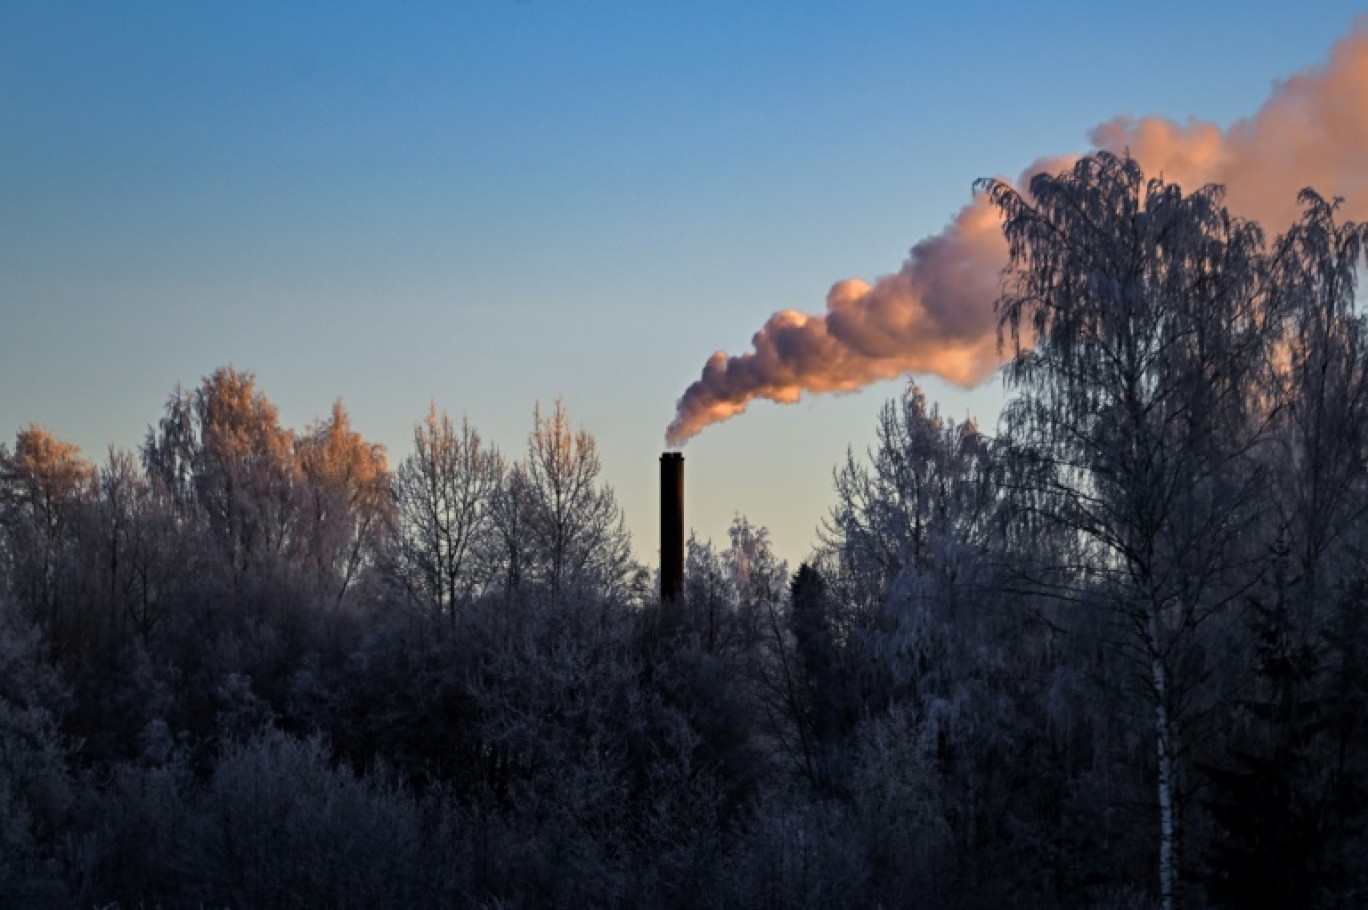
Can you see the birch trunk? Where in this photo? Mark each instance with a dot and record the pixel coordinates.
(1166, 746)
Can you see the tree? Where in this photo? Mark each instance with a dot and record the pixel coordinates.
(1280, 802)
(347, 509)
(141, 559)
(825, 708)
(36, 783)
(222, 457)
(921, 505)
(445, 492)
(728, 593)
(1322, 393)
(1288, 799)
(1147, 312)
(575, 529)
(510, 515)
(45, 487)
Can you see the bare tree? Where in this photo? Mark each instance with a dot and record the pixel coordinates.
(142, 558)
(575, 528)
(1146, 307)
(446, 493)
(510, 557)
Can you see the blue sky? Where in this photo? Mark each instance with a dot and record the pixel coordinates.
(489, 204)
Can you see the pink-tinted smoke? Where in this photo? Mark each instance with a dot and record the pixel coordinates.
(935, 315)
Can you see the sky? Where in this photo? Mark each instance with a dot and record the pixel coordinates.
(491, 204)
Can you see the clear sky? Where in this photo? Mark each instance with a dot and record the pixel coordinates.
(489, 204)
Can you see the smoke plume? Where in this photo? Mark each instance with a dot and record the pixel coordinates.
(935, 315)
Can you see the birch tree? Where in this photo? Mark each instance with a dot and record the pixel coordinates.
(1146, 312)
(1322, 373)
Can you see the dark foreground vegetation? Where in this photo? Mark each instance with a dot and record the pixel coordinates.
(1113, 657)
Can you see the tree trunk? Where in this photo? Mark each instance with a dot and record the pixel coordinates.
(1166, 745)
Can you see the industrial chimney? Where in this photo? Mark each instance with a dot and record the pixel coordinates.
(671, 525)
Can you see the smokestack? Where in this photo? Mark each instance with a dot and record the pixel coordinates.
(671, 525)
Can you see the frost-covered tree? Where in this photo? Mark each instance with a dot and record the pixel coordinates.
(281, 824)
(712, 656)
(574, 529)
(346, 508)
(45, 488)
(446, 491)
(917, 512)
(599, 786)
(1321, 373)
(1148, 325)
(36, 786)
(729, 593)
(825, 701)
(220, 453)
(143, 561)
(510, 514)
